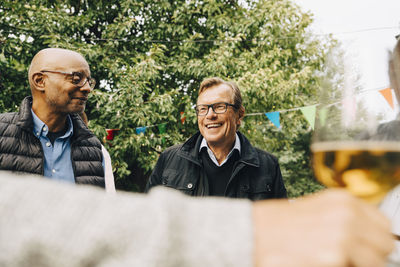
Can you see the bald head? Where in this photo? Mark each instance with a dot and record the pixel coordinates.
(57, 59)
(394, 70)
(60, 82)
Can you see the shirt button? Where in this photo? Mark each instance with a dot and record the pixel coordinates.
(190, 185)
(48, 144)
(44, 129)
(53, 170)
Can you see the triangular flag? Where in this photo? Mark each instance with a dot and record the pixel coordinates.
(323, 114)
(161, 127)
(141, 129)
(387, 94)
(309, 114)
(111, 133)
(183, 118)
(274, 118)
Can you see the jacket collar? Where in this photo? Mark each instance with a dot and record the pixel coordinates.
(190, 150)
(249, 154)
(81, 131)
(25, 116)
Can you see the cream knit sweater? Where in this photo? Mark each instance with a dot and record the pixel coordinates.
(46, 223)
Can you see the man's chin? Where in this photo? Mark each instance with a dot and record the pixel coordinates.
(78, 109)
(213, 139)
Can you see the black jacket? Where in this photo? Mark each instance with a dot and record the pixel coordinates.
(256, 174)
(21, 150)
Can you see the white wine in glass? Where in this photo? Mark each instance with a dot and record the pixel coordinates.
(367, 169)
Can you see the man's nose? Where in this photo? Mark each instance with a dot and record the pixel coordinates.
(211, 113)
(86, 87)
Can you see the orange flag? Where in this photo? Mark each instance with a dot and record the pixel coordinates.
(387, 94)
(183, 117)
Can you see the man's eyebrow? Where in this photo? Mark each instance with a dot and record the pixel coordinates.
(86, 73)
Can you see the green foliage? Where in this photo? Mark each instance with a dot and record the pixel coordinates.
(150, 57)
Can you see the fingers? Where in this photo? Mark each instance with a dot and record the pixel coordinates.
(367, 232)
(367, 235)
(374, 237)
(367, 257)
(334, 227)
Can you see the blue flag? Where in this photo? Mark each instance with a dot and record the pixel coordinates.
(141, 129)
(274, 118)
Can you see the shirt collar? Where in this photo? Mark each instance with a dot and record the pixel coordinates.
(41, 129)
(236, 146)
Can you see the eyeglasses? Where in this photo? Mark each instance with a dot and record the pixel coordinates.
(77, 78)
(218, 108)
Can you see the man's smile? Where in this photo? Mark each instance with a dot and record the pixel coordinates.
(213, 125)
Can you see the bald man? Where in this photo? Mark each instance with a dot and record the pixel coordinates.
(47, 136)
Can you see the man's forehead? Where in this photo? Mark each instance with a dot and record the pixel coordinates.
(61, 59)
(64, 60)
(220, 89)
(58, 52)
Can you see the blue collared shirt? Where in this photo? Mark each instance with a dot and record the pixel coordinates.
(211, 154)
(57, 157)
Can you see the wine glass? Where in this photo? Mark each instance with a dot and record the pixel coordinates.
(355, 145)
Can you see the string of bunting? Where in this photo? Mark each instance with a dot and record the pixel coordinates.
(309, 113)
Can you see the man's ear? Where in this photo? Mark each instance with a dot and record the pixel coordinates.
(38, 81)
(241, 115)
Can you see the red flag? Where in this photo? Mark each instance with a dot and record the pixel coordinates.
(110, 133)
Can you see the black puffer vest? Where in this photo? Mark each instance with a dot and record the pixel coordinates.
(21, 150)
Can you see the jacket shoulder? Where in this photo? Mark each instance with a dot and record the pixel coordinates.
(8, 122)
(9, 118)
(266, 156)
(172, 150)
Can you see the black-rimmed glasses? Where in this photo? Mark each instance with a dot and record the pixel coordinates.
(77, 78)
(218, 108)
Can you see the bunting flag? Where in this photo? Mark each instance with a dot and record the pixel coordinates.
(309, 114)
(387, 94)
(140, 130)
(323, 114)
(111, 133)
(162, 127)
(183, 118)
(274, 118)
